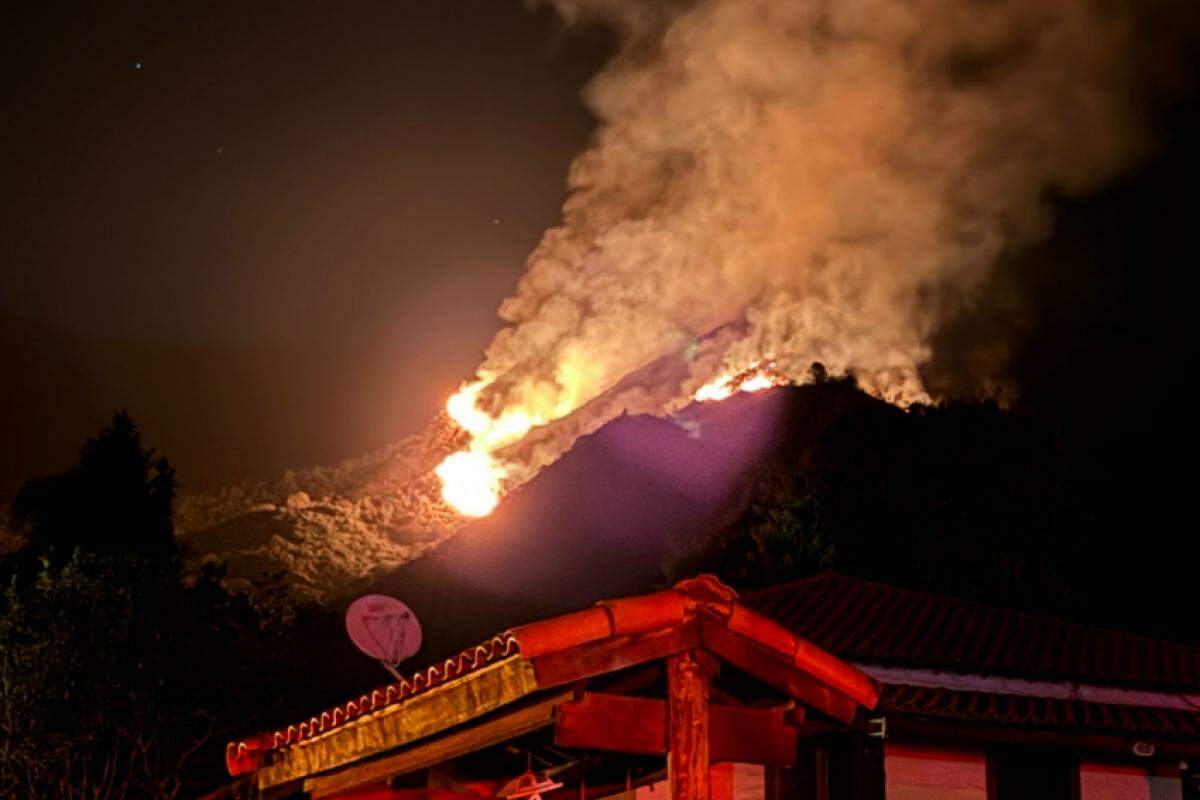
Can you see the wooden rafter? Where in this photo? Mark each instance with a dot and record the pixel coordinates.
(489, 689)
(745, 654)
(639, 725)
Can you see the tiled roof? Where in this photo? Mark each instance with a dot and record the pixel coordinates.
(248, 751)
(1039, 712)
(870, 622)
(698, 608)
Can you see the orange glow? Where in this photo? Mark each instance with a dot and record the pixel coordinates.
(471, 482)
(754, 378)
(473, 479)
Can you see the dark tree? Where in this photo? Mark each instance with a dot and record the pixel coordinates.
(117, 500)
(965, 499)
(121, 673)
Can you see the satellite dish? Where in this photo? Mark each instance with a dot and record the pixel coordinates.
(383, 628)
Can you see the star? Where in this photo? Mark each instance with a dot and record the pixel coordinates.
(137, 65)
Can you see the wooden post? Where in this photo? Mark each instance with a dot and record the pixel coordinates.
(688, 676)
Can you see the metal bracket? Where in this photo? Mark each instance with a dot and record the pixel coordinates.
(877, 728)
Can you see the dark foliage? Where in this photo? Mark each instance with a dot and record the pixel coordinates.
(120, 674)
(964, 499)
(117, 500)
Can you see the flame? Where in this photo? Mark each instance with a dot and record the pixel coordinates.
(473, 479)
(471, 482)
(754, 378)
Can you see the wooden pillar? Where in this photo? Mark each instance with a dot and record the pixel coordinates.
(688, 676)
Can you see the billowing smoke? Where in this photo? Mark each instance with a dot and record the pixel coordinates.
(813, 179)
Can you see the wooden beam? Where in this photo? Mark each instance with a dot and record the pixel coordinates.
(745, 654)
(613, 722)
(639, 725)
(633, 680)
(750, 736)
(610, 655)
(498, 729)
(688, 676)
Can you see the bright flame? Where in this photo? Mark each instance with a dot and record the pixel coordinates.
(471, 482)
(718, 388)
(474, 483)
(488, 433)
(473, 479)
(754, 378)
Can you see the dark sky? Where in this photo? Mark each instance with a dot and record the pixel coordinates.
(281, 240)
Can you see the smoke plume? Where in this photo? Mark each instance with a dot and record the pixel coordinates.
(815, 180)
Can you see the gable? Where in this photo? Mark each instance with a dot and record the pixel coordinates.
(560, 658)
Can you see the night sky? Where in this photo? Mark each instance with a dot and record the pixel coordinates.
(278, 233)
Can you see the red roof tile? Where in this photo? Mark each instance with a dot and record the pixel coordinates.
(864, 621)
(672, 608)
(245, 755)
(1040, 712)
(612, 619)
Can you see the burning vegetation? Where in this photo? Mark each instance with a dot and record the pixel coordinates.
(817, 182)
(754, 378)
(774, 185)
(473, 479)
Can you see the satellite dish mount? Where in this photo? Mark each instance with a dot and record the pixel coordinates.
(385, 629)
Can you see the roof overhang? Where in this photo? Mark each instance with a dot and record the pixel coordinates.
(519, 679)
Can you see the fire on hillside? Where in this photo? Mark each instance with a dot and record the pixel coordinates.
(475, 479)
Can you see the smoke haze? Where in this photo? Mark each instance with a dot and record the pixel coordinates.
(830, 177)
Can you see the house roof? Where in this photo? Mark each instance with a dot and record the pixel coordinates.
(874, 623)
(612, 635)
(244, 755)
(1040, 713)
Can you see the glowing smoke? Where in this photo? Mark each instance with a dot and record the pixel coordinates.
(824, 172)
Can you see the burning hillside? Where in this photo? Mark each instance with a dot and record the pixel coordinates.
(328, 527)
(772, 185)
(474, 480)
(818, 182)
(332, 527)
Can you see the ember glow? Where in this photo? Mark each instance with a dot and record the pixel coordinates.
(755, 378)
(473, 479)
(776, 184)
(487, 432)
(471, 482)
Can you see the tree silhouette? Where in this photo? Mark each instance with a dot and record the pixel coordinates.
(102, 629)
(117, 500)
(966, 499)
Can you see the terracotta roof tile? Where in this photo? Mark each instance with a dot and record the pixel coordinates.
(244, 755)
(607, 619)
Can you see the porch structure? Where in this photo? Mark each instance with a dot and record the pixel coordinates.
(685, 692)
